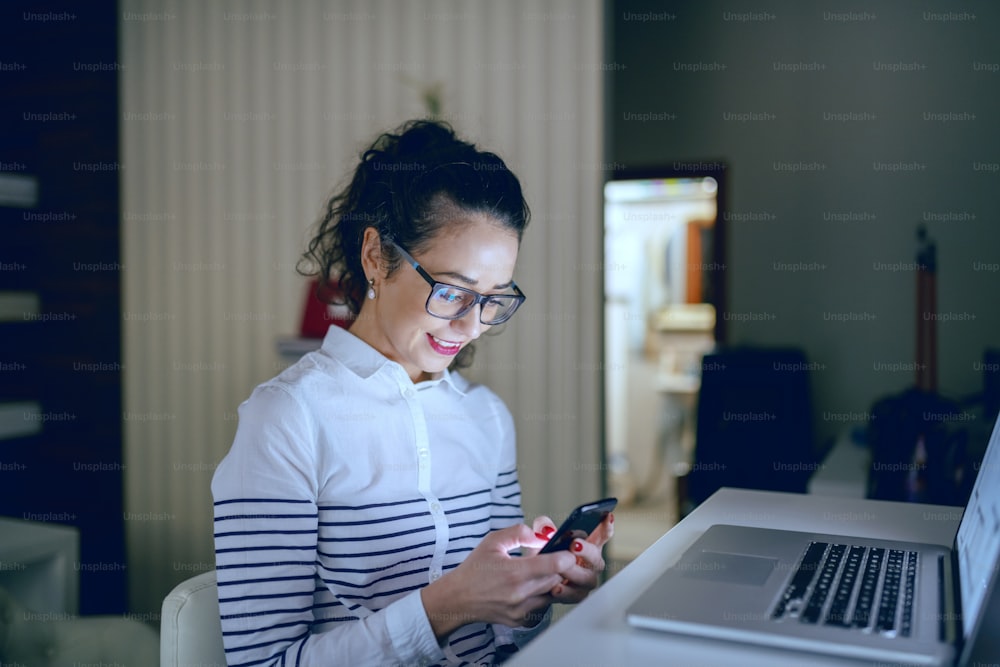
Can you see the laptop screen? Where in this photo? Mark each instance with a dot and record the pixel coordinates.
(978, 538)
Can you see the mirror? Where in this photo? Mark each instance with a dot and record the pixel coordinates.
(663, 291)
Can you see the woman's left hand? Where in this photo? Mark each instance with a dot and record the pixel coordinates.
(582, 577)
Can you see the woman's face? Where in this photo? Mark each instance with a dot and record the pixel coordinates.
(475, 252)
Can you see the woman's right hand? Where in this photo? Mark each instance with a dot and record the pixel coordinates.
(494, 587)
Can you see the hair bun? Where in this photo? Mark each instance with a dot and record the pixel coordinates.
(429, 142)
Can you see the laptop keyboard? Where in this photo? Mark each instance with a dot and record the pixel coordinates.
(864, 588)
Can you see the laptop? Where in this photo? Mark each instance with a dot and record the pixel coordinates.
(887, 601)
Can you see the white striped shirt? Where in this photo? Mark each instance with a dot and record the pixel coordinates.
(347, 489)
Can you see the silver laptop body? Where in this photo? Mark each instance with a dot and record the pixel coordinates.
(894, 602)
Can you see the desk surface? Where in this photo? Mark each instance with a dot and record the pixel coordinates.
(38, 564)
(595, 634)
(844, 471)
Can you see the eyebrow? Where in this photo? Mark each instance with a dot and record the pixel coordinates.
(469, 281)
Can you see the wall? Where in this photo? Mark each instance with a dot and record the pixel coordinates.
(843, 127)
(238, 119)
(60, 368)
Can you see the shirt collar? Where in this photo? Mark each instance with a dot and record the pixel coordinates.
(365, 361)
(454, 380)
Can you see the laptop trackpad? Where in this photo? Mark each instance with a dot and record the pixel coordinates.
(729, 568)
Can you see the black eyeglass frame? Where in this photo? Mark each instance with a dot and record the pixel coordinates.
(478, 298)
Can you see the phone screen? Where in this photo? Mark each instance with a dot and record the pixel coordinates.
(579, 524)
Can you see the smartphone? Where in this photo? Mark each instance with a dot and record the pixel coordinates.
(579, 523)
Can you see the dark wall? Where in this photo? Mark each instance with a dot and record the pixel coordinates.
(59, 102)
(843, 128)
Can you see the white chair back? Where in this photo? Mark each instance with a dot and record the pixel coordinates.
(190, 629)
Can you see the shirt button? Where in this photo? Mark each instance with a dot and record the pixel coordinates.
(436, 507)
(409, 392)
(435, 576)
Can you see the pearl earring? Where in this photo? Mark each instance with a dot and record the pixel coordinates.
(371, 288)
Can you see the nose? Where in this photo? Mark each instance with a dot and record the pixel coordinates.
(469, 324)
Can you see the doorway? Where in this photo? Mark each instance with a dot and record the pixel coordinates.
(663, 289)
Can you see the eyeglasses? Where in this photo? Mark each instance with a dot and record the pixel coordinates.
(451, 302)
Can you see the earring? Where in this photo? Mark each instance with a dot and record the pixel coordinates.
(371, 288)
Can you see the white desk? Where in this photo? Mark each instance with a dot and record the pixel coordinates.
(38, 564)
(844, 471)
(595, 634)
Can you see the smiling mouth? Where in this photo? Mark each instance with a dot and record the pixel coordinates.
(444, 347)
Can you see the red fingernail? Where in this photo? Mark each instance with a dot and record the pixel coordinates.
(541, 537)
(578, 546)
(611, 518)
(547, 531)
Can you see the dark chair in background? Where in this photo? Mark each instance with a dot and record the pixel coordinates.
(754, 424)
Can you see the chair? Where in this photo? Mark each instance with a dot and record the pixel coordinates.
(754, 423)
(190, 629)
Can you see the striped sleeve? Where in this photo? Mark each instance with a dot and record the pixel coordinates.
(506, 511)
(506, 496)
(266, 522)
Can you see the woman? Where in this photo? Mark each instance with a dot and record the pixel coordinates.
(369, 506)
